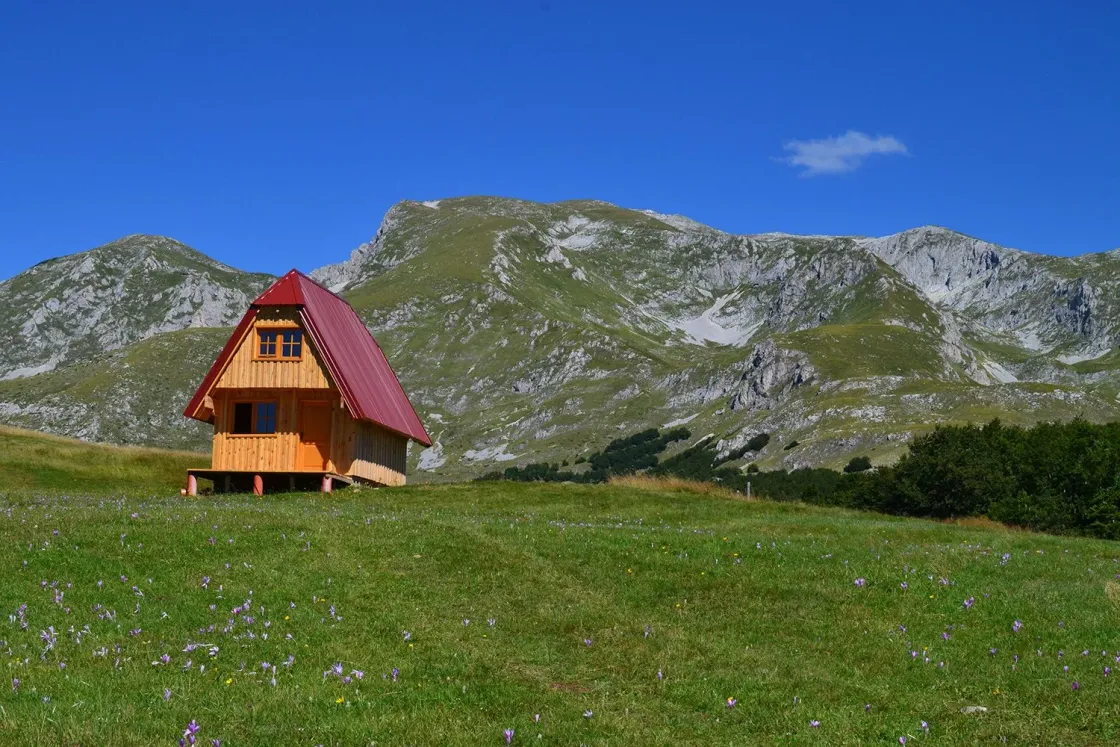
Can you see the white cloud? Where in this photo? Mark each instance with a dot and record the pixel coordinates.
(835, 155)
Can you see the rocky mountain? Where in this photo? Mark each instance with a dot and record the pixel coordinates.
(79, 306)
(529, 332)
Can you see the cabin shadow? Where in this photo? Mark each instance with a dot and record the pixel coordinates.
(271, 483)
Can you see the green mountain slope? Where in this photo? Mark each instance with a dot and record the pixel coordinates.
(36, 462)
(532, 332)
(132, 396)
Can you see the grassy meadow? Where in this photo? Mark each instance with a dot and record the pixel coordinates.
(611, 614)
(32, 461)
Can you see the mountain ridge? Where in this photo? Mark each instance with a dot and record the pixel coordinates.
(529, 331)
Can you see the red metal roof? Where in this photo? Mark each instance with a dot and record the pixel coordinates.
(368, 385)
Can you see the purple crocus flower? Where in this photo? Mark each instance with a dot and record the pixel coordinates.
(902, 740)
(731, 702)
(815, 724)
(925, 727)
(1076, 685)
(588, 713)
(395, 673)
(861, 581)
(969, 602)
(904, 586)
(508, 734)
(1016, 626)
(867, 708)
(15, 684)
(1107, 671)
(406, 635)
(190, 732)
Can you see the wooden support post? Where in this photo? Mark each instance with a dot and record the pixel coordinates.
(228, 484)
(327, 483)
(258, 485)
(291, 483)
(192, 485)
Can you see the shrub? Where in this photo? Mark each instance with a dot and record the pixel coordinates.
(858, 464)
(758, 443)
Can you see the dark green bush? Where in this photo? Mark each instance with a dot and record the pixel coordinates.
(622, 456)
(858, 464)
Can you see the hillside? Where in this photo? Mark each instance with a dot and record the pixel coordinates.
(568, 614)
(31, 462)
(531, 332)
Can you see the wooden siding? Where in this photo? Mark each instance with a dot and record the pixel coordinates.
(244, 372)
(276, 452)
(358, 449)
(379, 455)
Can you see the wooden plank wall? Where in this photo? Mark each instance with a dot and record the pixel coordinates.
(357, 449)
(277, 452)
(242, 372)
(379, 455)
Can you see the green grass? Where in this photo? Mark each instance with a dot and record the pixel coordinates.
(755, 601)
(854, 350)
(31, 461)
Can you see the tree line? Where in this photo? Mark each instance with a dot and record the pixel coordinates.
(622, 456)
(1062, 478)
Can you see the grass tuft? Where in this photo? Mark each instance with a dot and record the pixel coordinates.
(668, 484)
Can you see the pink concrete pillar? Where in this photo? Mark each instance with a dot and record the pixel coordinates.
(328, 483)
(192, 485)
(258, 485)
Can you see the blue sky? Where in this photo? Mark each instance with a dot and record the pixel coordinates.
(275, 135)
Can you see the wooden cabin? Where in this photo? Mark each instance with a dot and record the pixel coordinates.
(302, 395)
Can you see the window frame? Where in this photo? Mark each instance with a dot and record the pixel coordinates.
(278, 331)
(254, 404)
(295, 343)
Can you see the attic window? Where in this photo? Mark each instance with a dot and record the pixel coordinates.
(291, 344)
(280, 344)
(267, 348)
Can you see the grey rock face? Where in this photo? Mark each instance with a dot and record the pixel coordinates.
(91, 303)
(771, 374)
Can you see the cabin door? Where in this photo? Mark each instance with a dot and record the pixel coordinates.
(314, 435)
